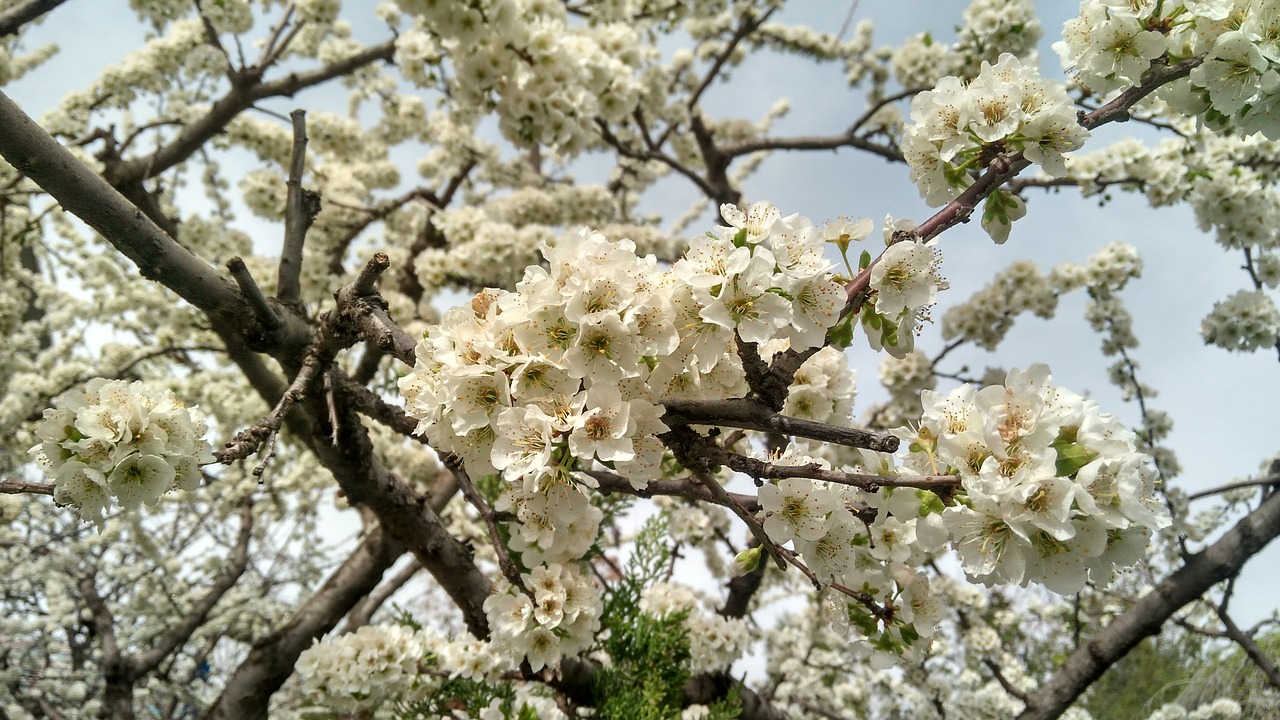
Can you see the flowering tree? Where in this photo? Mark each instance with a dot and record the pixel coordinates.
(612, 400)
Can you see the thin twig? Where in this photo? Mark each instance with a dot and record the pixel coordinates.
(265, 431)
(262, 310)
(14, 487)
(722, 497)
(1263, 482)
(751, 415)
(509, 569)
(940, 484)
(1245, 640)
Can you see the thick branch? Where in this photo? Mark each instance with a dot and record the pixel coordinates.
(1218, 562)
(365, 310)
(14, 18)
(272, 658)
(37, 155)
(442, 491)
(117, 695)
(365, 480)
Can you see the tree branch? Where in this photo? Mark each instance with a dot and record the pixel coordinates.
(682, 487)
(444, 488)
(1245, 640)
(1221, 560)
(239, 98)
(270, 662)
(181, 631)
(31, 150)
(1004, 169)
(751, 415)
(13, 487)
(366, 311)
(300, 210)
(12, 20)
(362, 613)
(117, 697)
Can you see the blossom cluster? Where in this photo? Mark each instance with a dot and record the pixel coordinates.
(1055, 492)
(361, 670)
(1111, 45)
(126, 441)
(557, 618)
(873, 551)
(989, 27)
(823, 389)
(961, 127)
(570, 367)
(715, 642)
(555, 525)
(366, 672)
(546, 77)
(1246, 321)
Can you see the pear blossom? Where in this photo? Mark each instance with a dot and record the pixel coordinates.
(795, 508)
(1044, 484)
(122, 441)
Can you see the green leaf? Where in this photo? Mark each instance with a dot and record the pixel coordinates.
(1072, 457)
(842, 334)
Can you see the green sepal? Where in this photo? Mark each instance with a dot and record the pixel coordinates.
(747, 561)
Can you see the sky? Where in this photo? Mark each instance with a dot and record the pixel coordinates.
(1222, 404)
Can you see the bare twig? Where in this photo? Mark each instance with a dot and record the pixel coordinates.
(251, 438)
(273, 47)
(940, 484)
(180, 631)
(262, 310)
(300, 210)
(746, 26)
(362, 613)
(1262, 482)
(722, 497)
(750, 415)
(509, 569)
(683, 487)
(14, 487)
